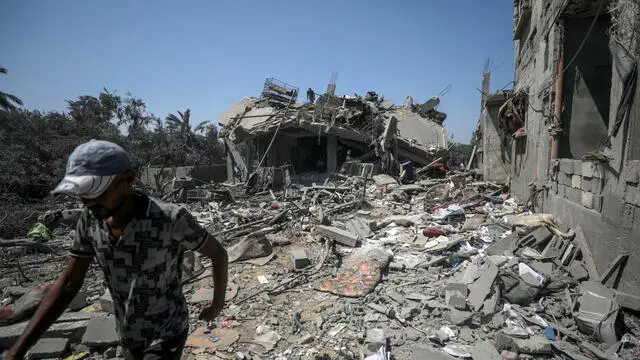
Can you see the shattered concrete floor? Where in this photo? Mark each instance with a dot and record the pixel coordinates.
(441, 269)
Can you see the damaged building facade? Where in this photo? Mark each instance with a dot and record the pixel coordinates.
(569, 131)
(276, 134)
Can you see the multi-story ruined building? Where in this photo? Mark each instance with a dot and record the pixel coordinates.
(570, 128)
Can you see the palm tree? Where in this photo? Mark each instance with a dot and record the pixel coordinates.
(8, 101)
(181, 124)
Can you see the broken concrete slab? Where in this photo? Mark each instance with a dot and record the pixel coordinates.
(479, 290)
(489, 306)
(48, 348)
(484, 351)
(455, 300)
(359, 227)
(598, 312)
(72, 330)
(458, 317)
(504, 246)
(423, 352)
(300, 259)
(578, 271)
(534, 345)
(342, 236)
(101, 332)
(106, 302)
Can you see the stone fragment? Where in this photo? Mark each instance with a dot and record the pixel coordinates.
(471, 273)
(424, 352)
(344, 237)
(79, 302)
(300, 259)
(455, 300)
(578, 271)
(376, 336)
(489, 306)
(48, 348)
(101, 332)
(306, 339)
(504, 246)
(535, 345)
(109, 353)
(509, 355)
(484, 351)
(106, 302)
(458, 317)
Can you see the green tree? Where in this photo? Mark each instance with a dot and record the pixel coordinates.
(8, 102)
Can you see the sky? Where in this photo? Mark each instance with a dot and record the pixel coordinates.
(207, 55)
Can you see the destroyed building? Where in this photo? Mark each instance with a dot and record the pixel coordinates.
(275, 131)
(568, 134)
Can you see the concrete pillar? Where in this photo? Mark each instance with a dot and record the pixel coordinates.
(229, 168)
(332, 153)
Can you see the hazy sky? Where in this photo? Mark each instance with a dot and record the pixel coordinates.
(206, 55)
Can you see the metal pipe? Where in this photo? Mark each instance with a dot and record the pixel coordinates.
(557, 114)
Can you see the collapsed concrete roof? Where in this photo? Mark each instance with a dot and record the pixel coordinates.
(420, 134)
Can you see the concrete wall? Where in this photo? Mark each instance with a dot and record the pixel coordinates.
(603, 198)
(205, 174)
(496, 158)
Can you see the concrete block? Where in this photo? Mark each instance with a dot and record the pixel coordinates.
(344, 237)
(378, 336)
(573, 195)
(566, 166)
(72, 330)
(455, 300)
(576, 181)
(300, 259)
(106, 302)
(592, 169)
(564, 179)
(535, 345)
(101, 332)
(463, 289)
(359, 227)
(485, 350)
(479, 290)
(48, 348)
(587, 199)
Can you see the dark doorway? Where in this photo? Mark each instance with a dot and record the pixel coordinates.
(587, 86)
(310, 154)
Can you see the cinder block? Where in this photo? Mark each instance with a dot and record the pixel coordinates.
(564, 179)
(344, 237)
(587, 169)
(585, 184)
(628, 214)
(574, 195)
(300, 259)
(566, 166)
(576, 180)
(587, 199)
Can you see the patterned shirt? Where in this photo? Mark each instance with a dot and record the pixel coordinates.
(143, 268)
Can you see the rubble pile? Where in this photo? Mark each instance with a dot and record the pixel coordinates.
(359, 267)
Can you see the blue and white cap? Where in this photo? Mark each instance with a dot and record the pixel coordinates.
(91, 168)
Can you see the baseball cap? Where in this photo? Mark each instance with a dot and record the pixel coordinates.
(91, 168)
